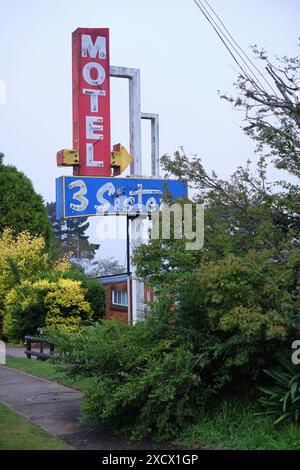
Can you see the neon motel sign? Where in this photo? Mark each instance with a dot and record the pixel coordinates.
(92, 190)
(91, 101)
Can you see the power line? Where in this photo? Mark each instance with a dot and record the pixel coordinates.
(227, 43)
(220, 33)
(239, 47)
(216, 30)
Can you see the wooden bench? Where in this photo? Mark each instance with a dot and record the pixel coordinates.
(40, 355)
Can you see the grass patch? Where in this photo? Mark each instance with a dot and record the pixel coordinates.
(235, 426)
(17, 433)
(46, 370)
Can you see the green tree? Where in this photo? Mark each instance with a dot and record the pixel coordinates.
(240, 293)
(272, 109)
(245, 212)
(107, 267)
(21, 208)
(58, 225)
(70, 235)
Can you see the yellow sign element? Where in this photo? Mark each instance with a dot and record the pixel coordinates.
(67, 157)
(120, 158)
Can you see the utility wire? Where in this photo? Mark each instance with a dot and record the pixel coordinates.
(243, 52)
(255, 81)
(216, 30)
(220, 33)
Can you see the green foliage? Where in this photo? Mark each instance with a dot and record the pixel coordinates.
(70, 235)
(23, 316)
(234, 311)
(212, 330)
(33, 305)
(235, 425)
(143, 380)
(237, 299)
(244, 212)
(95, 296)
(21, 257)
(20, 207)
(282, 399)
(94, 291)
(273, 113)
(231, 424)
(38, 291)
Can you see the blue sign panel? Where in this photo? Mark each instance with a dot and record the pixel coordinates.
(85, 196)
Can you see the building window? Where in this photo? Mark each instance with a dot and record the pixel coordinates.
(119, 297)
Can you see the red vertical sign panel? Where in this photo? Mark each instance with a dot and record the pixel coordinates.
(91, 101)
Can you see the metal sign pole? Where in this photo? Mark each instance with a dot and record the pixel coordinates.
(135, 135)
(135, 128)
(154, 118)
(128, 272)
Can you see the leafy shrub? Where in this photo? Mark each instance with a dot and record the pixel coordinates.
(95, 296)
(282, 399)
(236, 308)
(24, 310)
(33, 305)
(143, 380)
(66, 306)
(38, 291)
(94, 290)
(210, 332)
(21, 257)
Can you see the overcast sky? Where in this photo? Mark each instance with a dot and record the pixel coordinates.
(182, 63)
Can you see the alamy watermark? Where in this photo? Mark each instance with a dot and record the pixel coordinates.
(296, 354)
(177, 221)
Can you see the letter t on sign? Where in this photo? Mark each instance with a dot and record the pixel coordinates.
(91, 101)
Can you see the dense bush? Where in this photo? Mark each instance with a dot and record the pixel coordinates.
(144, 379)
(240, 306)
(34, 305)
(38, 291)
(22, 256)
(24, 310)
(66, 306)
(95, 296)
(209, 332)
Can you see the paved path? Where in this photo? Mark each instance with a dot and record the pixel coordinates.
(56, 409)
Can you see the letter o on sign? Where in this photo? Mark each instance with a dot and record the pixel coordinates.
(86, 72)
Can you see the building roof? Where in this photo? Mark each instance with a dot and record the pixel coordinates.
(112, 279)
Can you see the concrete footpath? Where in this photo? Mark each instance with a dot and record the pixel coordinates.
(56, 409)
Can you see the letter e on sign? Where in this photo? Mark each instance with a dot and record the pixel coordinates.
(91, 101)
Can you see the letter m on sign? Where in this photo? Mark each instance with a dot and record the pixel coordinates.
(91, 101)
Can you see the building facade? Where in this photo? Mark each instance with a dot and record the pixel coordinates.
(116, 296)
